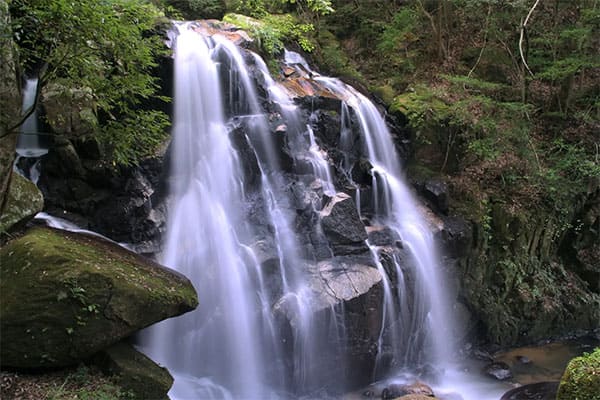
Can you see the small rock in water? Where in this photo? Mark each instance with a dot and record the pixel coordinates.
(397, 390)
(523, 359)
(498, 370)
(534, 391)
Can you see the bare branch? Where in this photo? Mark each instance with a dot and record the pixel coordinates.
(522, 36)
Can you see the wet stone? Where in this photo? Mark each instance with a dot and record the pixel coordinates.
(498, 370)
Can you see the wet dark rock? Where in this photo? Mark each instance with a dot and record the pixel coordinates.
(534, 391)
(394, 391)
(456, 236)
(361, 172)
(342, 225)
(125, 204)
(383, 236)
(498, 370)
(436, 192)
(340, 283)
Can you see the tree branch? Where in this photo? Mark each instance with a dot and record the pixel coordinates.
(522, 36)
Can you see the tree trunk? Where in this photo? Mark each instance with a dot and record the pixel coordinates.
(10, 102)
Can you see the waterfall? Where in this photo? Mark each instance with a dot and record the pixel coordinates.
(232, 346)
(251, 186)
(203, 242)
(429, 321)
(28, 143)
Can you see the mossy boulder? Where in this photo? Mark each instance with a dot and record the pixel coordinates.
(23, 202)
(65, 296)
(581, 380)
(135, 372)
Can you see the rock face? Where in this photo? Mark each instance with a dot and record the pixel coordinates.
(66, 296)
(23, 202)
(342, 226)
(135, 372)
(124, 203)
(581, 379)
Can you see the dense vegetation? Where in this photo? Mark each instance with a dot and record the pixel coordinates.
(503, 96)
(95, 59)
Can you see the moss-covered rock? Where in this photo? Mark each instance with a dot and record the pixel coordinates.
(135, 372)
(65, 296)
(23, 202)
(581, 380)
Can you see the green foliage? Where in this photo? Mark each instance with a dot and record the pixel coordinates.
(260, 8)
(273, 31)
(331, 57)
(104, 47)
(581, 380)
(198, 9)
(398, 39)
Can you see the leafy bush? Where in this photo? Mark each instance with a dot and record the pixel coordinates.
(581, 380)
(199, 9)
(273, 30)
(105, 48)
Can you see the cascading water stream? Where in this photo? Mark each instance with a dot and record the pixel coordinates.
(209, 240)
(203, 242)
(269, 324)
(28, 144)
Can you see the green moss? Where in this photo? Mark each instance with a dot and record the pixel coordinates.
(332, 58)
(581, 380)
(65, 296)
(24, 201)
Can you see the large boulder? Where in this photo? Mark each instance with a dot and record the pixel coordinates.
(581, 379)
(23, 202)
(65, 296)
(135, 372)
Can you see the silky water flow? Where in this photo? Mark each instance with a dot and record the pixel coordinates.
(233, 345)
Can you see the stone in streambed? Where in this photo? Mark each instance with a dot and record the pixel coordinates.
(65, 296)
(498, 370)
(405, 391)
